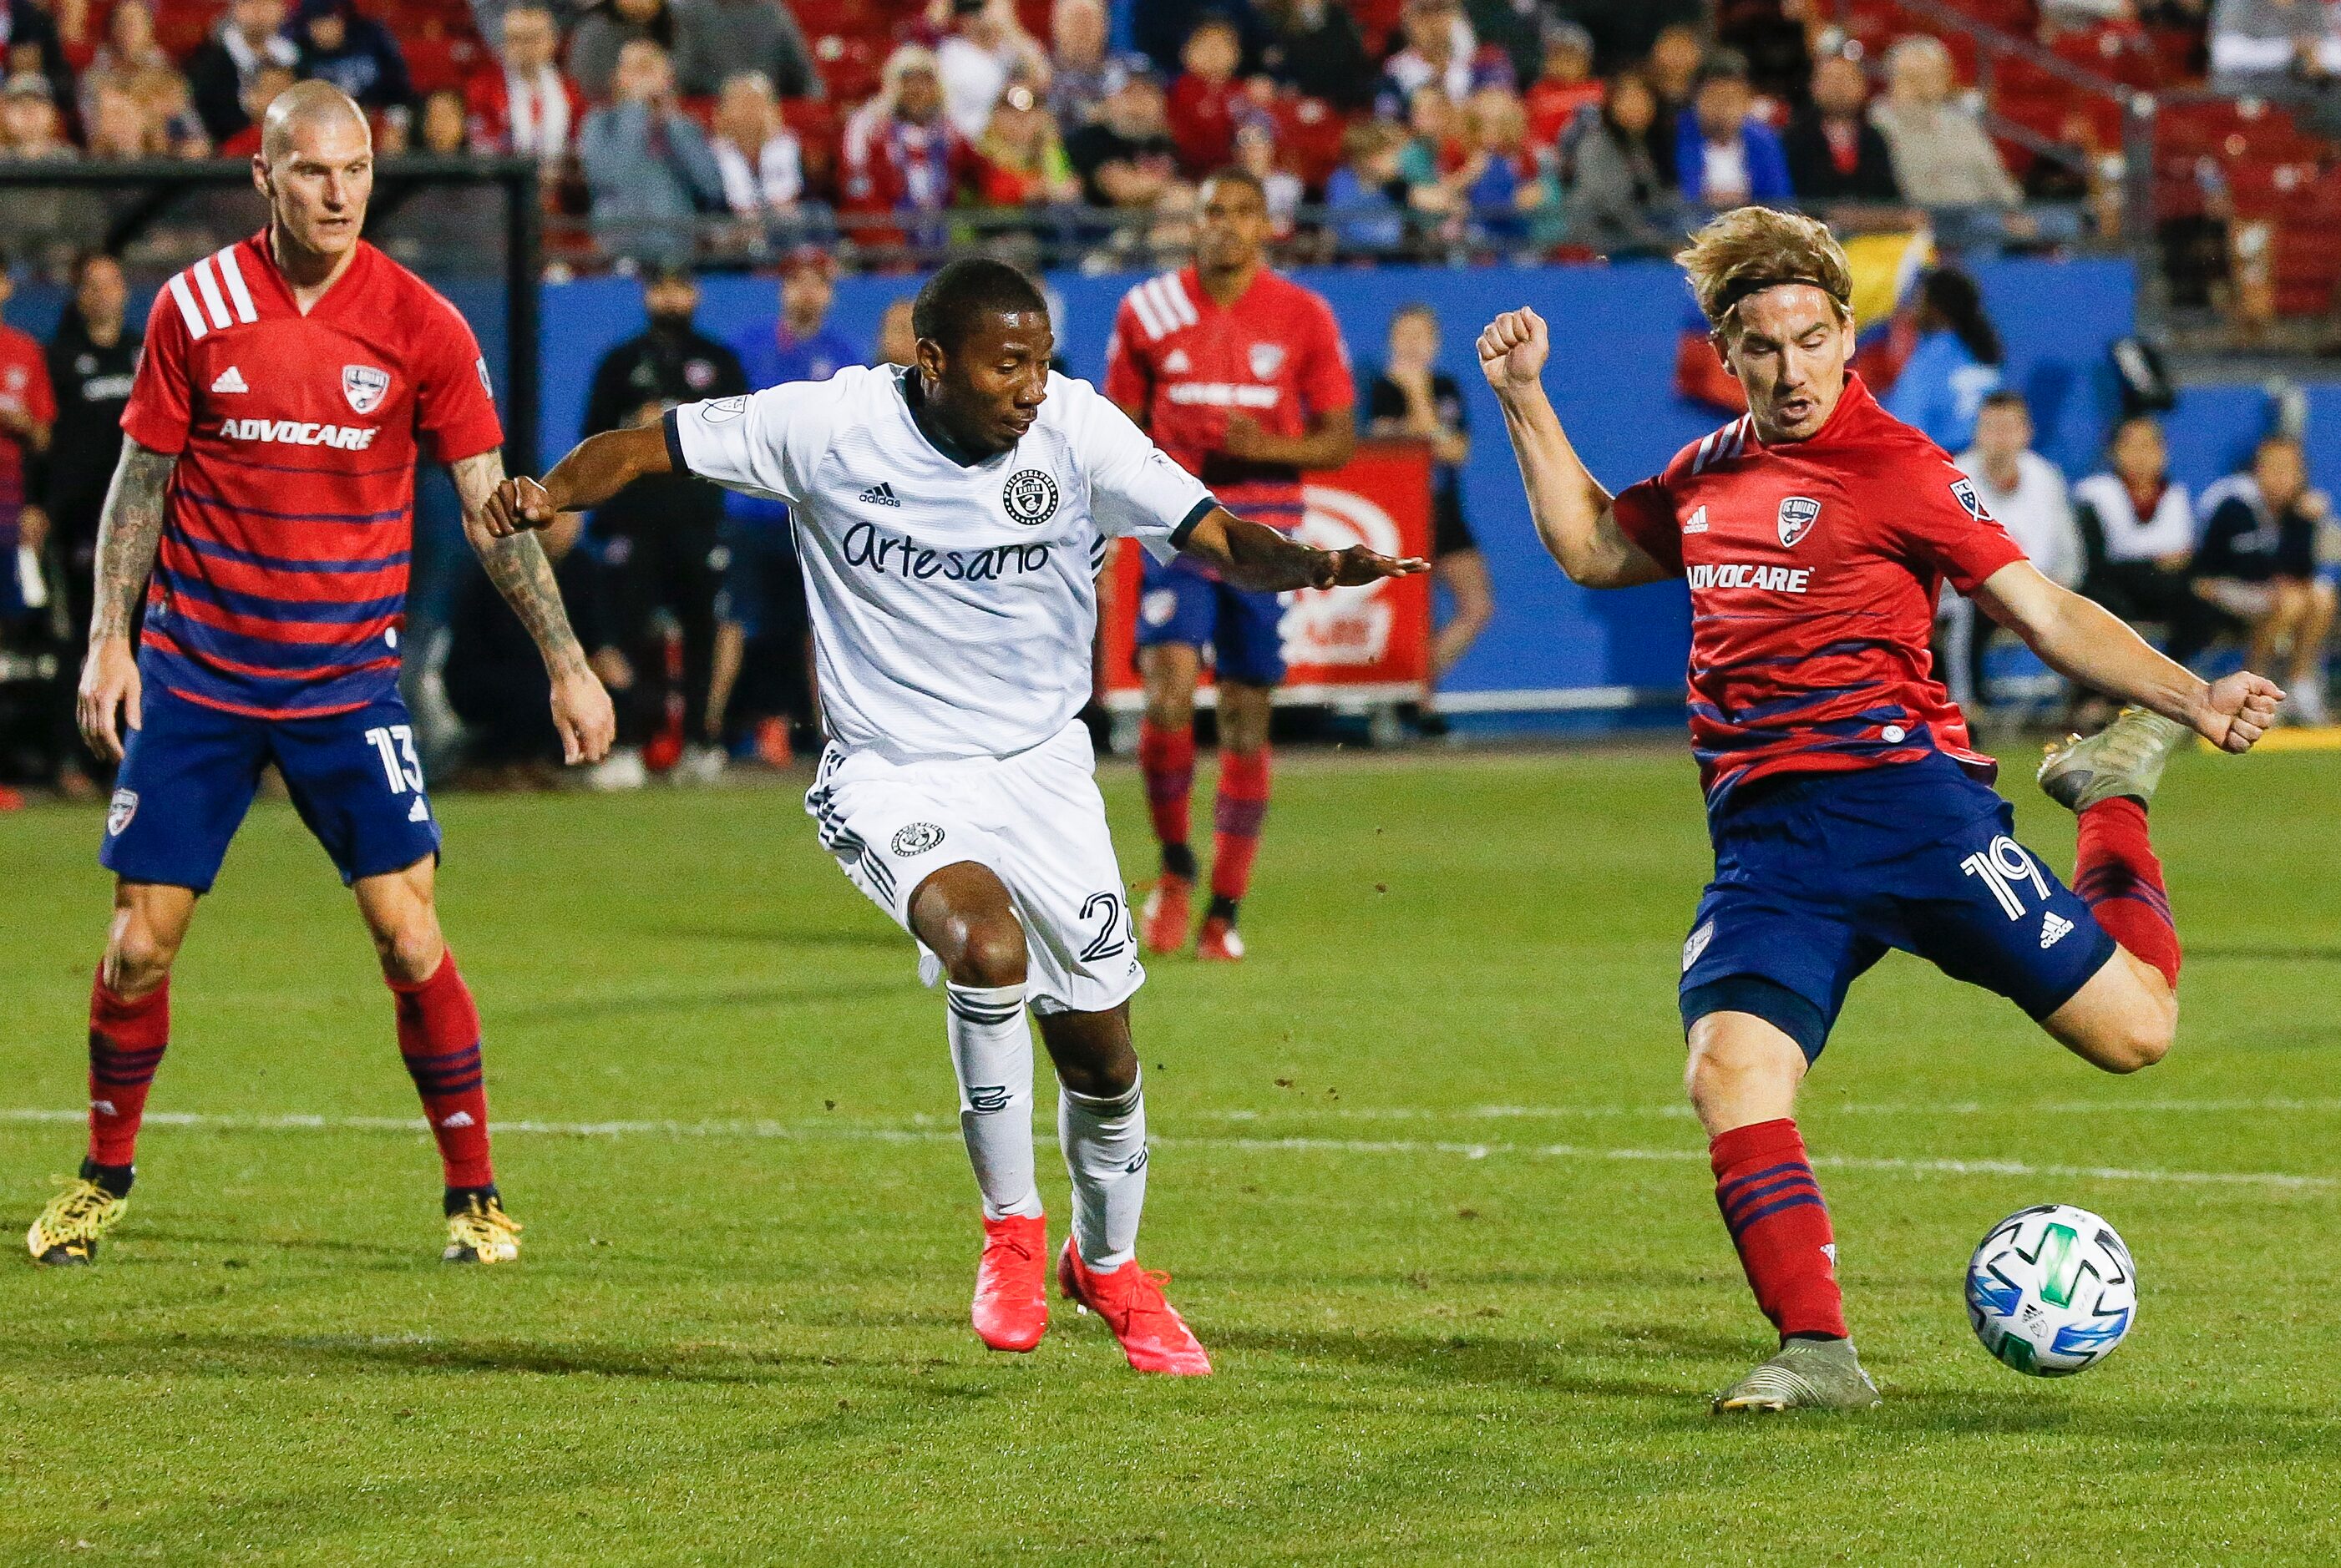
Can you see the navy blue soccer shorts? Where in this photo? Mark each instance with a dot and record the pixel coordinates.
(1817, 874)
(189, 773)
(1180, 603)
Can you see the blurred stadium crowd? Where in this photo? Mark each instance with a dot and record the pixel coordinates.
(733, 128)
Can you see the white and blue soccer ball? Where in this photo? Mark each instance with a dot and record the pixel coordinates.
(2051, 1290)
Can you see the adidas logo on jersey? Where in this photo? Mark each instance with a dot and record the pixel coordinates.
(2054, 929)
(878, 495)
(230, 379)
(1697, 524)
(1176, 363)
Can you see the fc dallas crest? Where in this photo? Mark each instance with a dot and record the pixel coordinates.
(364, 385)
(1797, 513)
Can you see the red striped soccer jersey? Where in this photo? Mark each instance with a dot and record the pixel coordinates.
(1184, 362)
(1814, 569)
(24, 389)
(279, 589)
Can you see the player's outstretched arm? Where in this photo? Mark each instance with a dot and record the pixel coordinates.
(2087, 642)
(517, 564)
(1572, 512)
(596, 469)
(128, 532)
(1254, 556)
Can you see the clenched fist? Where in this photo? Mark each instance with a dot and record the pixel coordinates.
(517, 505)
(1514, 349)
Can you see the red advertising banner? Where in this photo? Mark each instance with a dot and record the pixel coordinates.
(1369, 643)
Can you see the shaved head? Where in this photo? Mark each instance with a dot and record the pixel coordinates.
(305, 106)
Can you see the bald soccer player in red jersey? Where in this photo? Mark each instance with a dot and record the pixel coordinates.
(1241, 375)
(1849, 810)
(289, 384)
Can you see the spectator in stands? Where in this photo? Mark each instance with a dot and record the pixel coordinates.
(218, 73)
(975, 61)
(2255, 574)
(1954, 365)
(115, 124)
(2027, 495)
(1204, 100)
(1438, 171)
(1077, 63)
(259, 93)
(1514, 29)
(717, 39)
(898, 342)
(2283, 49)
(443, 129)
(354, 53)
(522, 104)
(131, 61)
(1314, 47)
(901, 154)
(661, 537)
(1724, 155)
(1565, 87)
(1672, 71)
(646, 164)
(1366, 196)
(1437, 53)
(2137, 527)
(606, 27)
(92, 360)
(1024, 162)
(29, 125)
(1942, 158)
(759, 632)
(1256, 153)
(29, 42)
(761, 158)
(1772, 36)
(1614, 198)
(1511, 189)
(1411, 397)
(1834, 154)
(1126, 158)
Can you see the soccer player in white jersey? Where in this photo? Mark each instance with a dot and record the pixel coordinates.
(952, 516)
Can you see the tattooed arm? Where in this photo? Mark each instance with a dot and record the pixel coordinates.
(518, 567)
(128, 532)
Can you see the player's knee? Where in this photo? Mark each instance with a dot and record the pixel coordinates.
(410, 950)
(988, 952)
(138, 957)
(2142, 1040)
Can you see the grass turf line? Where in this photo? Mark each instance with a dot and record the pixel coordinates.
(730, 1350)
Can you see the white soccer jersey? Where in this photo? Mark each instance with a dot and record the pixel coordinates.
(953, 604)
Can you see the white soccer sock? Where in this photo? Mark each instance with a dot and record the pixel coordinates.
(991, 1052)
(1105, 1153)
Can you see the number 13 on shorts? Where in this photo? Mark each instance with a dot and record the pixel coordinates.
(394, 744)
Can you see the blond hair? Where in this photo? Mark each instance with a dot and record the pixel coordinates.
(1750, 249)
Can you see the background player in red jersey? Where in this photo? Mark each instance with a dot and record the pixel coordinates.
(267, 481)
(1849, 813)
(1241, 376)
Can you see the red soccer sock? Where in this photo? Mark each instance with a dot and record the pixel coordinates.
(1773, 1208)
(126, 1038)
(1166, 760)
(1237, 815)
(439, 1036)
(2116, 874)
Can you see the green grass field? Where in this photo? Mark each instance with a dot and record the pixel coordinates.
(1422, 1173)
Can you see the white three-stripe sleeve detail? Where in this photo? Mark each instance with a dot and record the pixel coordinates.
(1144, 310)
(1706, 445)
(209, 285)
(233, 275)
(196, 325)
(1176, 291)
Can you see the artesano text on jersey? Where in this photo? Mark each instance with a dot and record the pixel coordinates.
(280, 583)
(1814, 568)
(953, 603)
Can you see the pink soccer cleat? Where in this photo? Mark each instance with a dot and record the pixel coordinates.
(1152, 1335)
(1219, 944)
(1011, 1283)
(1163, 920)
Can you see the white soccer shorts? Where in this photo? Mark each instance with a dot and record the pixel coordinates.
(1036, 820)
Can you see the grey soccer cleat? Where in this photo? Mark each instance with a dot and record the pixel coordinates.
(1805, 1374)
(2123, 760)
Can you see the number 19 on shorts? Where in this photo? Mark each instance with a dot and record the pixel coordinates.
(2002, 868)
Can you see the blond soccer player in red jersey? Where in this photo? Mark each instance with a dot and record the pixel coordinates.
(1849, 811)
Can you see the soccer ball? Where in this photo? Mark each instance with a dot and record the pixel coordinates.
(2051, 1290)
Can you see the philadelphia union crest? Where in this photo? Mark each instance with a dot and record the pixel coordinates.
(1797, 513)
(364, 385)
(1031, 496)
(917, 839)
